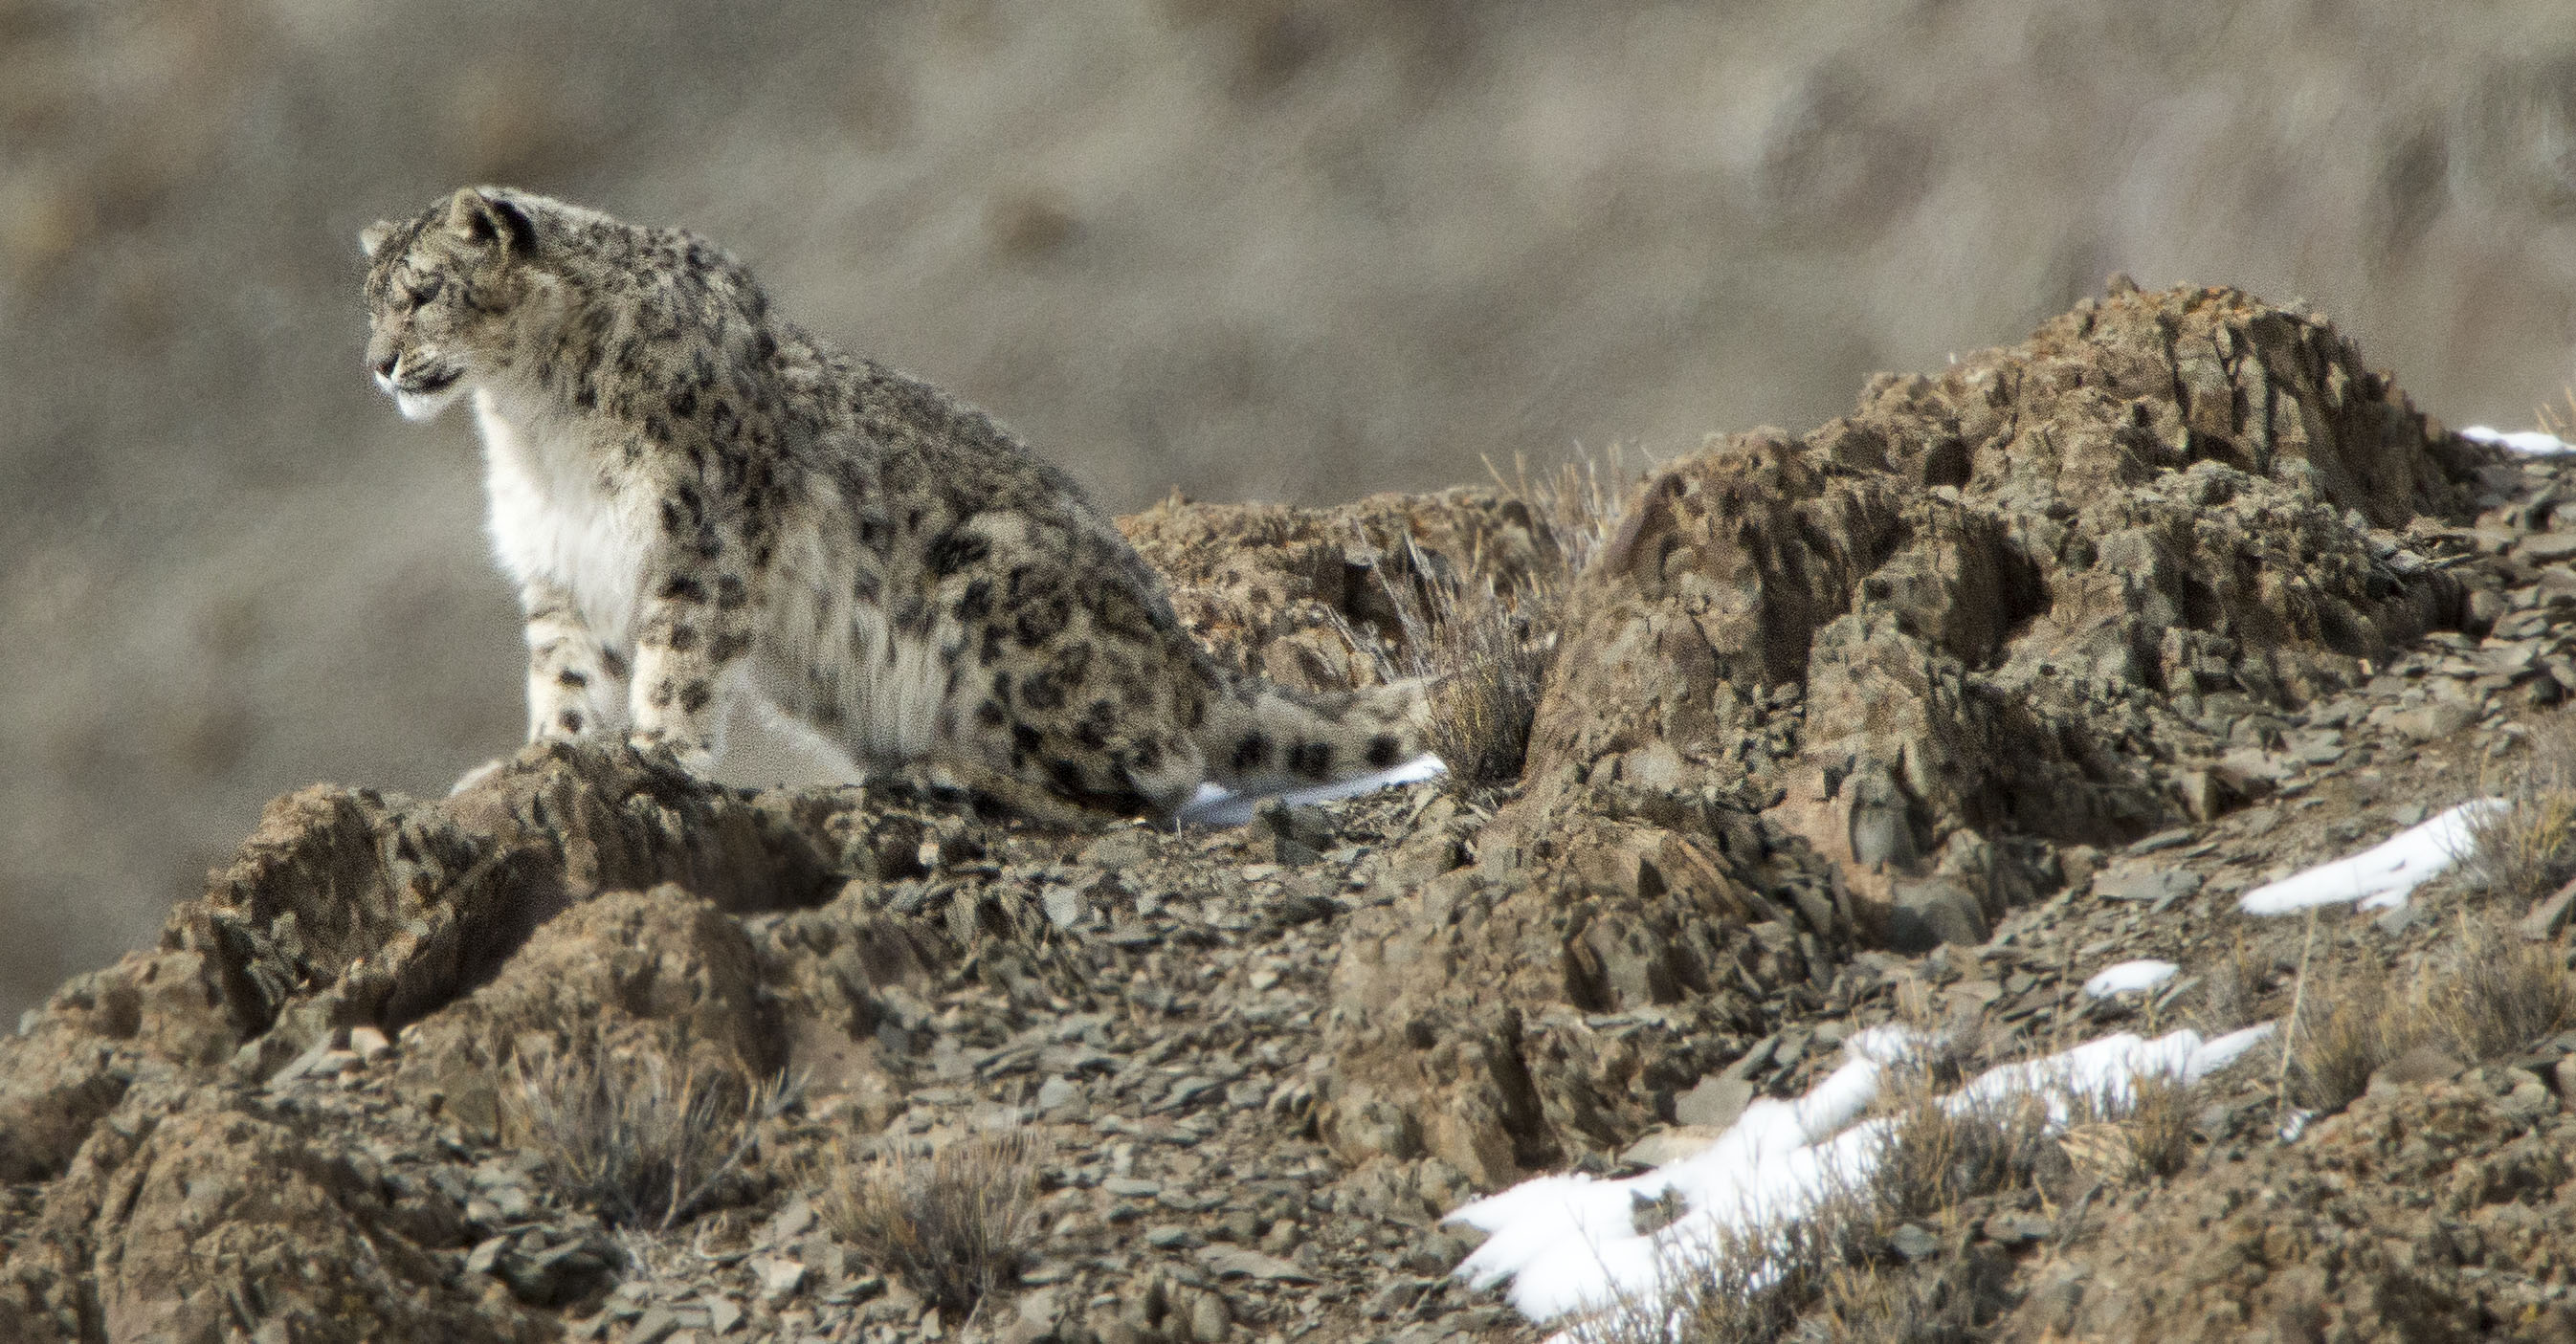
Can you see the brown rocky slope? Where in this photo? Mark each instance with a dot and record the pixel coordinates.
(2012, 673)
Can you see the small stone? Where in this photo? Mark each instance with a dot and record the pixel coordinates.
(2549, 916)
(1930, 914)
(2529, 1100)
(1210, 1321)
(1669, 1145)
(654, 1326)
(1236, 1262)
(2543, 547)
(2426, 723)
(1119, 850)
(2158, 886)
(1056, 1094)
(722, 1314)
(1714, 1102)
(791, 1222)
(1038, 1317)
(779, 1279)
(369, 1043)
(1914, 1242)
(2173, 838)
(2423, 1064)
(514, 1202)
(1170, 1237)
(2012, 1229)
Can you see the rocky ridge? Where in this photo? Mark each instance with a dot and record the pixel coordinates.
(2015, 672)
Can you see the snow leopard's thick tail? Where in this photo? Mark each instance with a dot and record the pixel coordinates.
(1262, 740)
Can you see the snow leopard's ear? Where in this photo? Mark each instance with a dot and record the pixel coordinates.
(478, 215)
(373, 237)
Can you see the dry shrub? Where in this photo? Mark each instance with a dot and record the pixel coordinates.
(1939, 1153)
(952, 1224)
(1575, 508)
(645, 1141)
(2492, 994)
(2342, 1033)
(1485, 651)
(2231, 990)
(2159, 1124)
(2528, 850)
(2559, 420)
(1485, 655)
(2500, 993)
(1743, 1287)
(1873, 1304)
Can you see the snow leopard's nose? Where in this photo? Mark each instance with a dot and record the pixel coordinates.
(385, 365)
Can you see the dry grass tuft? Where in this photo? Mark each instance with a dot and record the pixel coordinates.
(2528, 850)
(647, 1142)
(952, 1225)
(2340, 1036)
(1868, 1304)
(1485, 655)
(1940, 1153)
(2561, 422)
(1485, 651)
(2490, 995)
(1575, 508)
(2231, 990)
(2159, 1124)
(1743, 1287)
(2500, 994)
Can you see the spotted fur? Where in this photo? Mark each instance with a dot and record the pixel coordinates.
(703, 506)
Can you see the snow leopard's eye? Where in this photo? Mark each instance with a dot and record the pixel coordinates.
(422, 292)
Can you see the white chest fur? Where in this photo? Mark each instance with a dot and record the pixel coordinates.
(556, 521)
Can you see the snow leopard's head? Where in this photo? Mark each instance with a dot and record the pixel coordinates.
(447, 292)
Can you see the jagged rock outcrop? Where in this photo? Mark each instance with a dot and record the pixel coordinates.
(199, 1215)
(2007, 601)
(1866, 681)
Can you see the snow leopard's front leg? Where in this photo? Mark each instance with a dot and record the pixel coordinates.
(576, 684)
(697, 623)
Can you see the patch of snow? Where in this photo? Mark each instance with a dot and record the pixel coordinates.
(1569, 1244)
(2529, 442)
(1216, 807)
(2218, 1054)
(2129, 977)
(2382, 876)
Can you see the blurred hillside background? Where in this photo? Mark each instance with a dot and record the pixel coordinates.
(1278, 249)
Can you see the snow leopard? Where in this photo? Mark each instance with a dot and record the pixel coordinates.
(705, 508)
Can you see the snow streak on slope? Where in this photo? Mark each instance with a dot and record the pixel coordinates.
(2383, 875)
(1569, 1244)
(2128, 977)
